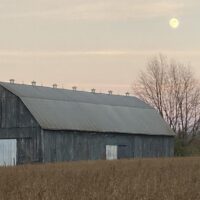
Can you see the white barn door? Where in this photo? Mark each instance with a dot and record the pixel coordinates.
(111, 152)
(8, 152)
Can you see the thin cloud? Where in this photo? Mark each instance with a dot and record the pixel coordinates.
(91, 10)
(95, 53)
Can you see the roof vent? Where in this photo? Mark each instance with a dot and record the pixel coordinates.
(127, 94)
(93, 90)
(74, 88)
(55, 85)
(33, 83)
(110, 92)
(12, 81)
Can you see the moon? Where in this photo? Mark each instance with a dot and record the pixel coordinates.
(174, 23)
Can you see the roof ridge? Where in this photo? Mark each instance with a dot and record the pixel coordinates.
(70, 90)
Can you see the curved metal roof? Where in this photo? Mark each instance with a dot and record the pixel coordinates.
(61, 109)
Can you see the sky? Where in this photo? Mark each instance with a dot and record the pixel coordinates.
(101, 44)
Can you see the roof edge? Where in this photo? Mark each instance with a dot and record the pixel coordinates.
(106, 132)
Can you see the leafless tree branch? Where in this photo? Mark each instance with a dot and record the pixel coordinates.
(170, 87)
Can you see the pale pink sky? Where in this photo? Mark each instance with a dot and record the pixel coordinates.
(100, 44)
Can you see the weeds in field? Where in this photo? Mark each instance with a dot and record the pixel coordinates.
(140, 179)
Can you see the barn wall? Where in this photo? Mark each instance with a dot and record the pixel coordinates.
(62, 146)
(16, 122)
(153, 146)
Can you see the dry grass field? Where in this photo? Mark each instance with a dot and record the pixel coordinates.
(142, 179)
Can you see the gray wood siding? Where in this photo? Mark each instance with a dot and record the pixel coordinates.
(153, 146)
(16, 122)
(65, 146)
(13, 112)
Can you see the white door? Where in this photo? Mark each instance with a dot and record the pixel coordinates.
(111, 152)
(8, 152)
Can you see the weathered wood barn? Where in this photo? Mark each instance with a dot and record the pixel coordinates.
(43, 124)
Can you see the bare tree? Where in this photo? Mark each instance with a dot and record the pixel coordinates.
(171, 88)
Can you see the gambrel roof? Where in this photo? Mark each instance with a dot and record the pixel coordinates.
(61, 109)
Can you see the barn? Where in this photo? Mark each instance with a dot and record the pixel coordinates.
(44, 124)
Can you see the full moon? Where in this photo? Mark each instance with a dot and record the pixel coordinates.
(174, 23)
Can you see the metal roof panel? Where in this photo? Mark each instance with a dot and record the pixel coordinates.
(60, 109)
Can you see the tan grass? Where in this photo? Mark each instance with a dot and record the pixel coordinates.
(142, 179)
